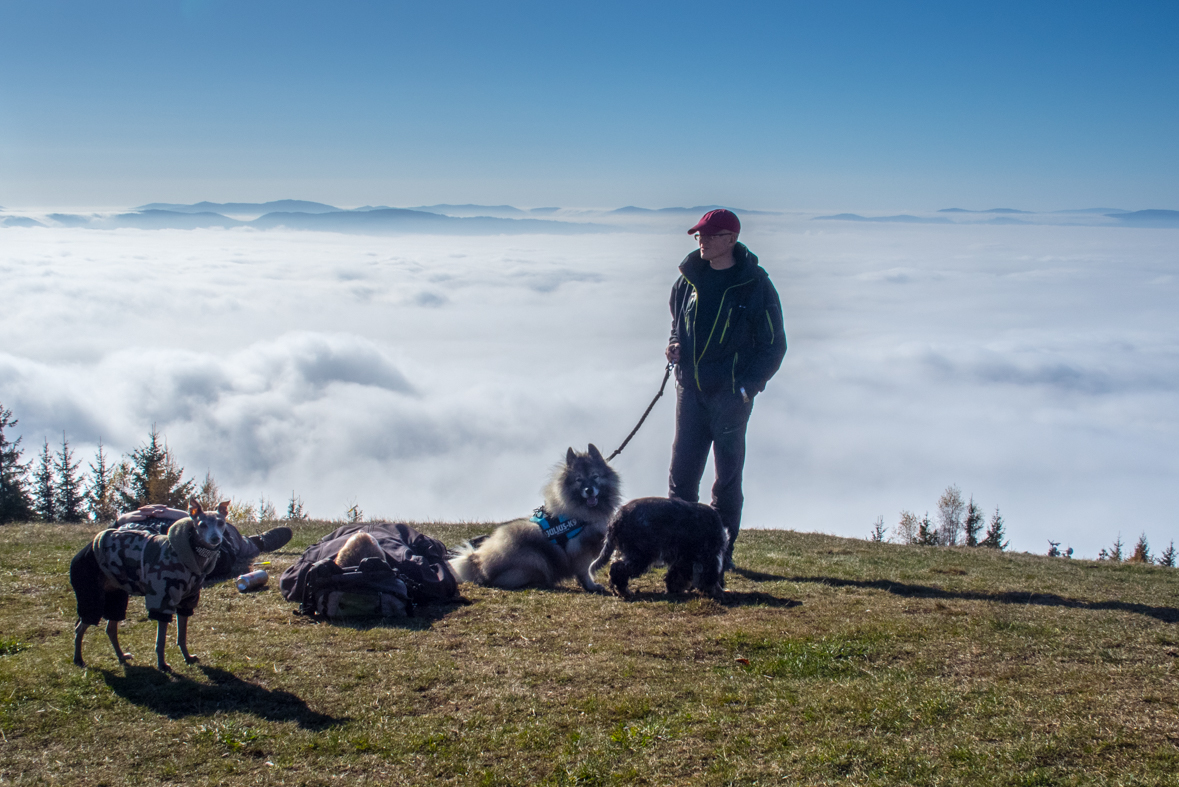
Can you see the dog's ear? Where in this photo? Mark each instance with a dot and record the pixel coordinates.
(223, 508)
(194, 507)
(595, 454)
(570, 456)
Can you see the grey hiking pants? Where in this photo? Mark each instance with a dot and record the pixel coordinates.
(716, 421)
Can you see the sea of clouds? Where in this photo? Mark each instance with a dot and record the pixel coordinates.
(440, 377)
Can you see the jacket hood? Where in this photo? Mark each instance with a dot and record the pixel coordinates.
(746, 262)
(196, 555)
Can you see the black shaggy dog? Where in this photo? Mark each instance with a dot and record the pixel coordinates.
(689, 537)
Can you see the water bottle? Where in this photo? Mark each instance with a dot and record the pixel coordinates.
(255, 579)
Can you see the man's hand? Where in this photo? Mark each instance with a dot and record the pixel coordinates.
(673, 353)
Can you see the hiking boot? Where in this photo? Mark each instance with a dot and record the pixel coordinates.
(273, 539)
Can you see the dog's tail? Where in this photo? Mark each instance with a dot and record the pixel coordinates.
(464, 562)
(607, 553)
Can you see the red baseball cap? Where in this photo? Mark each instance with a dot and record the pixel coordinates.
(715, 221)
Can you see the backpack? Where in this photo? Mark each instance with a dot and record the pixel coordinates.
(413, 572)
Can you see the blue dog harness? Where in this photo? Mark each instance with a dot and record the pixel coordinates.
(560, 529)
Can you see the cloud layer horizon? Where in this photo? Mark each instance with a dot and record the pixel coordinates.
(439, 378)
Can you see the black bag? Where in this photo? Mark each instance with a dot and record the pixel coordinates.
(414, 572)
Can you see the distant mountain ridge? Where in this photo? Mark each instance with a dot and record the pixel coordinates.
(903, 218)
(699, 210)
(1148, 218)
(282, 205)
(992, 210)
(373, 221)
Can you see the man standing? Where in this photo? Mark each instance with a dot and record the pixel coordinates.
(727, 340)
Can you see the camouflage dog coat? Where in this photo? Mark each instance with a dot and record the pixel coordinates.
(166, 570)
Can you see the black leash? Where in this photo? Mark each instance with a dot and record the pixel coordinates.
(666, 376)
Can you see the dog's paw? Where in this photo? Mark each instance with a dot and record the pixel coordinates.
(163, 667)
(594, 587)
(79, 663)
(125, 657)
(191, 659)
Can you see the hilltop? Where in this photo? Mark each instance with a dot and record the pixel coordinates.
(835, 661)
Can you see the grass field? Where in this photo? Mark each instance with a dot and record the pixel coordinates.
(834, 662)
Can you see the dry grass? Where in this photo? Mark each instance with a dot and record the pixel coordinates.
(837, 661)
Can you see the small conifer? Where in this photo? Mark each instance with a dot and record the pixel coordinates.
(1167, 556)
(209, 494)
(876, 536)
(15, 505)
(973, 523)
(995, 534)
(926, 534)
(44, 493)
(70, 497)
(266, 510)
(1115, 552)
(1141, 552)
(100, 490)
(155, 477)
(295, 512)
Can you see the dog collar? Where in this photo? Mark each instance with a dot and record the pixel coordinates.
(559, 529)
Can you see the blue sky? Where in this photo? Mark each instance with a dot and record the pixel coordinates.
(856, 105)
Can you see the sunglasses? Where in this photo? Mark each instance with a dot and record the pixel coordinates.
(700, 236)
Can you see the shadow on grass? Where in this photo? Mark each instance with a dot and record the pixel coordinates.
(177, 696)
(755, 598)
(1164, 614)
(755, 576)
(733, 598)
(423, 618)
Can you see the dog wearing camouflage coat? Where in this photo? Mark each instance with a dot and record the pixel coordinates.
(167, 571)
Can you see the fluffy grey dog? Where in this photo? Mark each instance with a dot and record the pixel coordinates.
(689, 537)
(561, 538)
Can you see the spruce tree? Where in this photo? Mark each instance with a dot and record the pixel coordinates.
(15, 505)
(973, 523)
(877, 535)
(926, 534)
(1167, 556)
(44, 493)
(1142, 551)
(1115, 552)
(995, 535)
(295, 512)
(69, 488)
(100, 491)
(155, 477)
(210, 493)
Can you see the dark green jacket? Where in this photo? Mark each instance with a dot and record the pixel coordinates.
(748, 328)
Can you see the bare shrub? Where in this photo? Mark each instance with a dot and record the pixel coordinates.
(906, 530)
(242, 513)
(950, 509)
